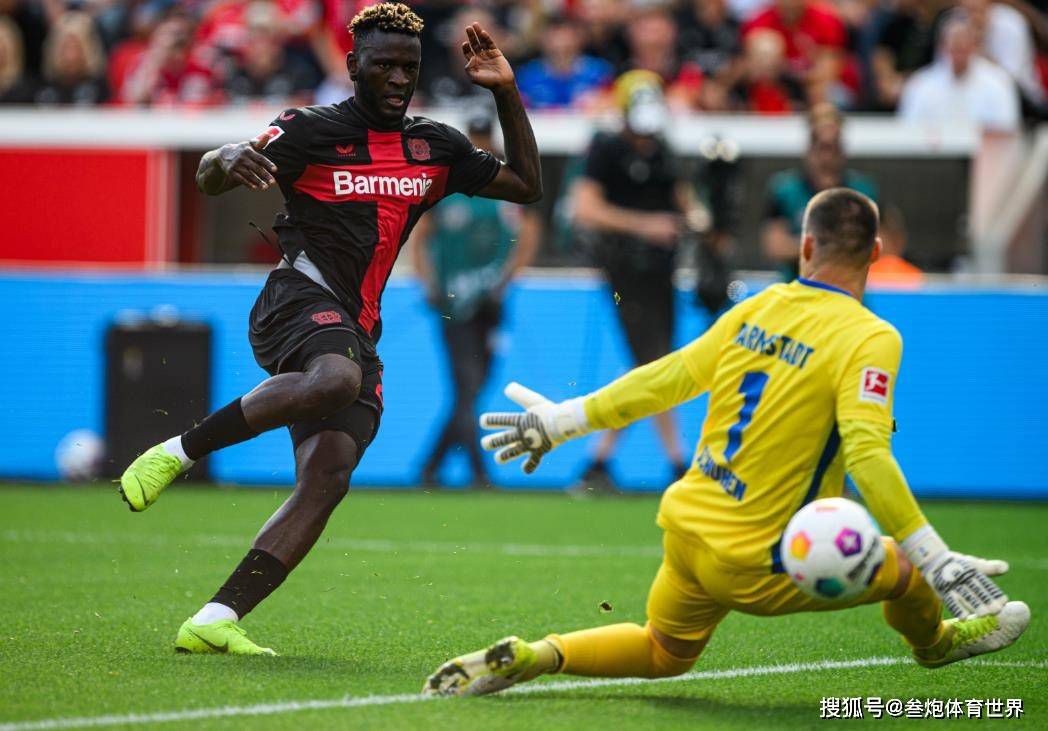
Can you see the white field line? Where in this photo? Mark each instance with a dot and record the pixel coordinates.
(272, 709)
(537, 550)
(349, 544)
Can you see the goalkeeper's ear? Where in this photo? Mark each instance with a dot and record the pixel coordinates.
(523, 396)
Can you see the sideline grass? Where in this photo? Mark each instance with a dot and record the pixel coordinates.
(92, 596)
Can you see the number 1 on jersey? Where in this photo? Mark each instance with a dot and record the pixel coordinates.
(751, 388)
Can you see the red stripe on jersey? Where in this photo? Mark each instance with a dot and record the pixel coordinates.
(387, 154)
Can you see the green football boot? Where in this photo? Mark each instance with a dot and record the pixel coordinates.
(485, 671)
(222, 637)
(142, 482)
(966, 638)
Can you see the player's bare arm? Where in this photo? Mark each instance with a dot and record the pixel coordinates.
(232, 165)
(520, 179)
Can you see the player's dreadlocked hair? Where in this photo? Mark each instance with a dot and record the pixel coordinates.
(385, 17)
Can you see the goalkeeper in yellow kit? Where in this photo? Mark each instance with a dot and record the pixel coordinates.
(801, 380)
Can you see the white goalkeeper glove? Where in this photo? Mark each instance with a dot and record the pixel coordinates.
(533, 432)
(961, 581)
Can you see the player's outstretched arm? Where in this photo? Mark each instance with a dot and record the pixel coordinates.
(647, 390)
(961, 581)
(520, 179)
(865, 395)
(238, 163)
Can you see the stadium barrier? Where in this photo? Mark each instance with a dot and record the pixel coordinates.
(970, 399)
(125, 180)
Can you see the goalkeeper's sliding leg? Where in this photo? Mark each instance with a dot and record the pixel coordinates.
(691, 594)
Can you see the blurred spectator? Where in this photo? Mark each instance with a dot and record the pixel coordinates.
(891, 270)
(960, 85)
(443, 80)
(905, 43)
(788, 192)
(264, 72)
(31, 20)
(166, 73)
(464, 253)
(635, 203)
(815, 47)
(562, 76)
(1004, 37)
(224, 27)
(652, 37)
(708, 36)
(14, 86)
(127, 54)
(603, 22)
(764, 86)
(74, 63)
(743, 10)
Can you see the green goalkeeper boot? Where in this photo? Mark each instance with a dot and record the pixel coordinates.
(495, 668)
(966, 638)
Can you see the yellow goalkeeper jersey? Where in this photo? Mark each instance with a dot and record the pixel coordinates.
(783, 369)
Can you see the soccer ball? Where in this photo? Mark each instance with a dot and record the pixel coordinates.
(79, 455)
(832, 549)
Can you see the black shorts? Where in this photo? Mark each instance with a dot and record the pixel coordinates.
(642, 284)
(294, 321)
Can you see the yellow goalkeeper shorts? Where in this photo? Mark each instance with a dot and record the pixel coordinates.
(694, 590)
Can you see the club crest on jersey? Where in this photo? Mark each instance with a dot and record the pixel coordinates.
(874, 386)
(267, 136)
(419, 148)
(345, 150)
(328, 317)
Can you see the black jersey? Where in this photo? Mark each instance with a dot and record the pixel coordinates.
(631, 178)
(353, 192)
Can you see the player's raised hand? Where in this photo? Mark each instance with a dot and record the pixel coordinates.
(485, 64)
(243, 164)
(541, 427)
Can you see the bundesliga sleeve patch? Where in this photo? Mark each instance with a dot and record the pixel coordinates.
(271, 133)
(874, 386)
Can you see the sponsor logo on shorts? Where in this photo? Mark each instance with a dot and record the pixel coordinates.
(328, 317)
(874, 386)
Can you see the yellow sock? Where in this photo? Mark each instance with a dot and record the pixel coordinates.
(617, 651)
(917, 614)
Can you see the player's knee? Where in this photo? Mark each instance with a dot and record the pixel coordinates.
(333, 387)
(324, 470)
(325, 487)
(671, 656)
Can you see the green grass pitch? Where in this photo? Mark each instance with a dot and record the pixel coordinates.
(92, 596)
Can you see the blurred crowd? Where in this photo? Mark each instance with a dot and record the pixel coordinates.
(926, 58)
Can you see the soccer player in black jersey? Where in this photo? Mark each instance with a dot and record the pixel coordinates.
(356, 176)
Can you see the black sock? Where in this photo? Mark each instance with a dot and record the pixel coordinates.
(257, 576)
(223, 428)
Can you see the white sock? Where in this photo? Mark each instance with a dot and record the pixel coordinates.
(214, 612)
(173, 446)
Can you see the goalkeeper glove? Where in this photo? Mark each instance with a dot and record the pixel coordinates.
(535, 431)
(961, 581)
